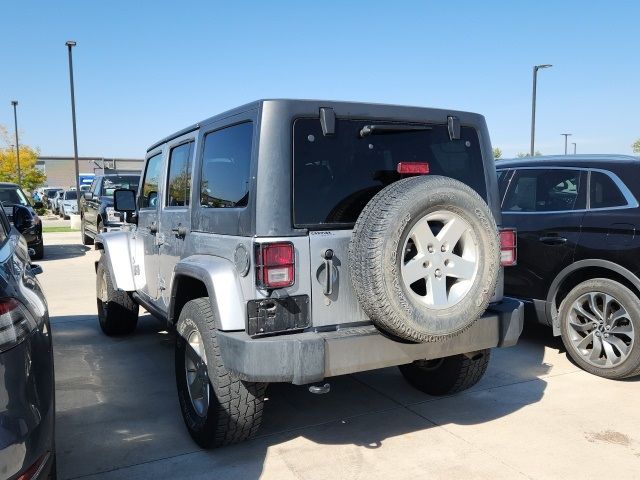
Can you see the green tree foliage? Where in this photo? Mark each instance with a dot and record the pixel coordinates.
(636, 146)
(497, 153)
(32, 177)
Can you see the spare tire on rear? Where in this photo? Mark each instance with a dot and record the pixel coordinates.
(424, 258)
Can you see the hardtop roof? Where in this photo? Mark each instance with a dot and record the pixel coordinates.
(257, 104)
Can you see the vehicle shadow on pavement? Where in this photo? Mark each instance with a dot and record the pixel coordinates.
(63, 251)
(118, 413)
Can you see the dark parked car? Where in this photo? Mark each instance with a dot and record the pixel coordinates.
(26, 362)
(96, 205)
(577, 221)
(10, 195)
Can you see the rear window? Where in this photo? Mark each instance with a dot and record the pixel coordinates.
(336, 176)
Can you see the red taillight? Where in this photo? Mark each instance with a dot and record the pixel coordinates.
(7, 305)
(34, 469)
(413, 168)
(508, 247)
(275, 265)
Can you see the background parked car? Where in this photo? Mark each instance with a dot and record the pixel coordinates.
(11, 195)
(577, 219)
(55, 202)
(49, 195)
(68, 204)
(96, 205)
(26, 362)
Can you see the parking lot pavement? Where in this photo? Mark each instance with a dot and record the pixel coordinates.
(534, 415)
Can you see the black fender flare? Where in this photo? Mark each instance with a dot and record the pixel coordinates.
(552, 308)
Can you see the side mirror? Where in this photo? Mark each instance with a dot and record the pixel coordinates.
(124, 200)
(22, 218)
(87, 195)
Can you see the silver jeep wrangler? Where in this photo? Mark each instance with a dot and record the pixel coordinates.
(292, 241)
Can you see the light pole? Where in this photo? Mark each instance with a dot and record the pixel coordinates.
(566, 135)
(533, 105)
(15, 121)
(70, 44)
(574, 147)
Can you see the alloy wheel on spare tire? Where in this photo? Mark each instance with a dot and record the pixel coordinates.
(424, 258)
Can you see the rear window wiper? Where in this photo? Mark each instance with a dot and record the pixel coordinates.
(390, 128)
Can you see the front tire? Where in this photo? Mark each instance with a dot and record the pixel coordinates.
(600, 325)
(117, 311)
(218, 408)
(39, 251)
(86, 240)
(448, 375)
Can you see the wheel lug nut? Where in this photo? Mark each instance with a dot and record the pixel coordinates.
(443, 248)
(606, 335)
(608, 327)
(446, 263)
(430, 248)
(438, 273)
(426, 264)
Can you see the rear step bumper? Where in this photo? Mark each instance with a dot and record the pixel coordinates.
(310, 357)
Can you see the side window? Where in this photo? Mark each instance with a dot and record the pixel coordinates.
(94, 187)
(604, 193)
(225, 167)
(179, 177)
(546, 190)
(149, 195)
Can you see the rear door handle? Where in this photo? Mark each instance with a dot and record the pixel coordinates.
(328, 271)
(553, 240)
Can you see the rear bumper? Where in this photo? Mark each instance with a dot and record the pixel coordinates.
(312, 356)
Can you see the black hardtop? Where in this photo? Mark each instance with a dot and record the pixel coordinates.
(351, 109)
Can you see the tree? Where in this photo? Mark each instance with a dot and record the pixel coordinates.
(636, 146)
(32, 177)
(497, 153)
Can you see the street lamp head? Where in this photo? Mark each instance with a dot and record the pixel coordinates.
(14, 102)
(546, 65)
(70, 43)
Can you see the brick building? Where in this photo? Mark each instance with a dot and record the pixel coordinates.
(60, 170)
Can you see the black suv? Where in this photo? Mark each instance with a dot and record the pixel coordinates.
(96, 205)
(11, 195)
(578, 269)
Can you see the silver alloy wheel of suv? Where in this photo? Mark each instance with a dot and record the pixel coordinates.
(600, 329)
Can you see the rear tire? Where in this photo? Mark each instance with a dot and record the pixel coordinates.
(600, 328)
(117, 311)
(218, 408)
(448, 375)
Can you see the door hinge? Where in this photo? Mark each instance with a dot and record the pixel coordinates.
(159, 239)
(161, 284)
